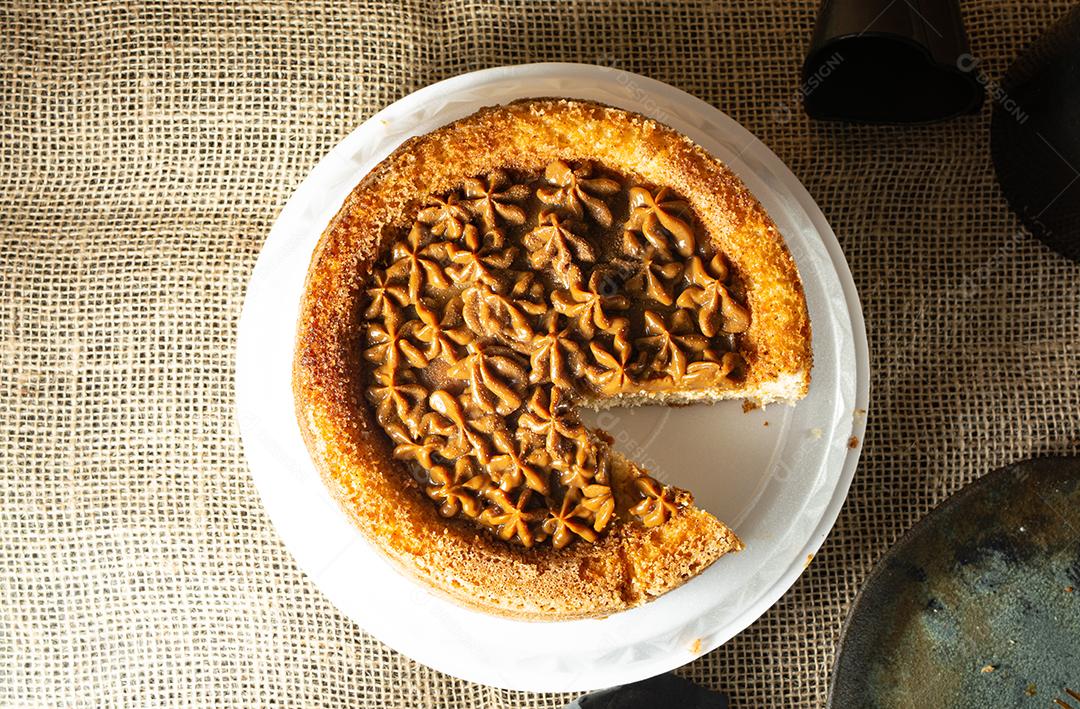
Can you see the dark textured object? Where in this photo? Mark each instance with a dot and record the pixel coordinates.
(889, 61)
(1035, 136)
(654, 693)
(978, 605)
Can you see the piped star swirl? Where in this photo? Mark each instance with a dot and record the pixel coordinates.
(514, 298)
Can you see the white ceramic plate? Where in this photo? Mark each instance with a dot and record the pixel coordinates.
(778, 476)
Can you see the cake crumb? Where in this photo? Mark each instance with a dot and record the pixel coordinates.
(1069, 589)
(809, 558)
(860, 412)
(988, 669)
(748, 406)
(766, 423)
(853, 442)
(816, 433)
(1030, 690)
(695, 647)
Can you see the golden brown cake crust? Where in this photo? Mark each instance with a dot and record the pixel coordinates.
(630, 564)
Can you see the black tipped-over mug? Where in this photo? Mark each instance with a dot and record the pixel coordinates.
(889, 61)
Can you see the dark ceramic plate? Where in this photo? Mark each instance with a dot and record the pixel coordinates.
(978, 605)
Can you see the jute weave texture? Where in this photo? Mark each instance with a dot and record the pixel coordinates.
(146, 150)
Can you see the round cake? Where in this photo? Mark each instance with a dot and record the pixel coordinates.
(486, 282)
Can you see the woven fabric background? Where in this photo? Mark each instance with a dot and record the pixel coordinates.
(146, 150)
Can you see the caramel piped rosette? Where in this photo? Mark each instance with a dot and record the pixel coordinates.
(517, 298)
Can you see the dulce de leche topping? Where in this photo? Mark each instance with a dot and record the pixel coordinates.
(514, 298)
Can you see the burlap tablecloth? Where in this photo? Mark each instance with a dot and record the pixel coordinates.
(146, 151)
